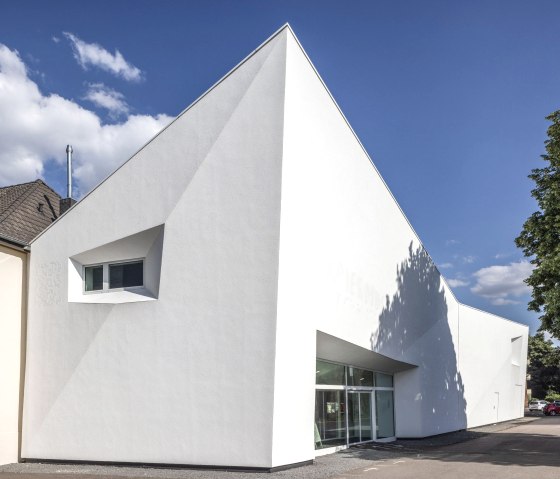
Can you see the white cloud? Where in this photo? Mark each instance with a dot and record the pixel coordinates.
(503, 301)
(499, 284)
(457, 283)
(55, 39)
(549, 337)
(469, 259)
(451, 242)
(502, 255)
(107, 98)
(446, 265)
(37, 127)
(87, 54)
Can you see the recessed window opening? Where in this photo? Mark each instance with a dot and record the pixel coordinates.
(113, 276)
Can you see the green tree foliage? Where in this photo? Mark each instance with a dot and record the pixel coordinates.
(552, 396)
(540, 237)
(543, 366)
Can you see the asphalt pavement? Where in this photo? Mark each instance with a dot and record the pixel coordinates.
(527, 449)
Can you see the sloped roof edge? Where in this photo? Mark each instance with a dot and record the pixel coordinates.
(494, 315)
(13, 242)
(197, 100)
(38, 180)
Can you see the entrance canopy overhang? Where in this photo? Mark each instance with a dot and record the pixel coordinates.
(338, 350)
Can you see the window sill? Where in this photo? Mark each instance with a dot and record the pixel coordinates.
(132, 295)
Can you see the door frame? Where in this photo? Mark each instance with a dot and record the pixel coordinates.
(362, 390)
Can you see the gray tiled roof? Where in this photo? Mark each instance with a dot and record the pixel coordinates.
(26, 210)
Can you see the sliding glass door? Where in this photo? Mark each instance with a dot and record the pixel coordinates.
(359, 416)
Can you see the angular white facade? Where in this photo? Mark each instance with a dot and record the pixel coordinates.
(268, 240)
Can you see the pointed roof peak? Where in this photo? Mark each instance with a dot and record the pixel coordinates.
(287, 26)
(26, 209)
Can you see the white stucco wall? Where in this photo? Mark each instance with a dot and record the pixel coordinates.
(492, 367)
(187, 378)
(13, 265)
(276, 226)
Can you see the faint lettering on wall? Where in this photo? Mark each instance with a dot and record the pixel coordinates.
(354, 291)
(49, 280)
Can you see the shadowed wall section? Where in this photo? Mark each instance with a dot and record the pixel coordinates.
(493, 363)
(416, 323)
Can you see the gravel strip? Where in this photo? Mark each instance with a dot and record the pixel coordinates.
(323, 467)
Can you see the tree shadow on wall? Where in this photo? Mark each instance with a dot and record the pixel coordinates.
(414, 327)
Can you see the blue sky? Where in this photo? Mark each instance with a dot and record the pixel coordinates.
(448, 97)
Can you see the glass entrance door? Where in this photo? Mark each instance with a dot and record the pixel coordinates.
(352, 405)
(359, 416)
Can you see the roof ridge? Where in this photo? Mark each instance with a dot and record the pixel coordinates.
(21, 184)
(16, 203)
(39, 180)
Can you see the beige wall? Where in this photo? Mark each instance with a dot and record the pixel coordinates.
(13, 268)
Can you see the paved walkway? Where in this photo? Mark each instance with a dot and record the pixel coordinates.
(525, 448)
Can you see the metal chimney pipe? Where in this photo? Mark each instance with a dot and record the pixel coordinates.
(69, 168)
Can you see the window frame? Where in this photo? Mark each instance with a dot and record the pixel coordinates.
(106, 282)
(93, 291)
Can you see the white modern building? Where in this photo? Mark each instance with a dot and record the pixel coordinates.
(246, 292)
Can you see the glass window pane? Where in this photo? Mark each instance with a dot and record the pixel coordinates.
(384, 414)
(360, 377)
(384, 380)
(329, 373)
(126, 275)
(330, 421)
(115, 276)
(94, 278)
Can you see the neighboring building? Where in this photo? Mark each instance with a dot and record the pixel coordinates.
(245, 291)
(25, 210)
